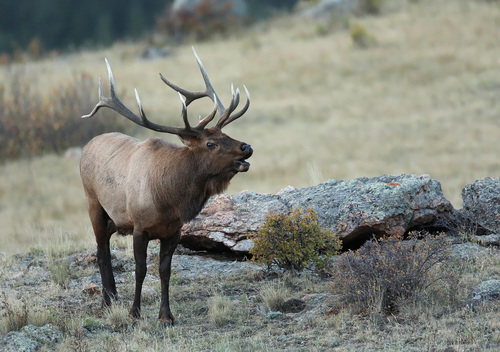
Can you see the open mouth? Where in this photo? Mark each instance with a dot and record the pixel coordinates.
(242, 165)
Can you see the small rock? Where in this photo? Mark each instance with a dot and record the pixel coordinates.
(274, 315)
(489, 290)
(482, 204)
(486, 291)
(92, 289)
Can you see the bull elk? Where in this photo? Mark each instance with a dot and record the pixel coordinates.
(150, 188)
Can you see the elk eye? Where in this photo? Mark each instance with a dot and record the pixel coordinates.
(211, 145)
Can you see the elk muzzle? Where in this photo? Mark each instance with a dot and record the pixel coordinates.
(242, 165)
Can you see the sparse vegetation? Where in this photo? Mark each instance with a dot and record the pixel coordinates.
(294, 241)
(15, 314)
(384, 273)
(117, 316)
(36, 122)
(226, 313)
(60, 272)
(274, 294)
(220, 310)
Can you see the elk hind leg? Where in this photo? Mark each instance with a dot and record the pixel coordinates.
(103, 231)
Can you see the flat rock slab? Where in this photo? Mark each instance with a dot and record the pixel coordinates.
(354, 209)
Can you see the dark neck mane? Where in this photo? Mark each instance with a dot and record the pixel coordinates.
(181, 187)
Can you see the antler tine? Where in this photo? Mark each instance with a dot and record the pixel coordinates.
(114, 103)
(235, 100)
(192, 96)
(208, 85)
(227, 118)
(184, 112)
(224, 114)
(239, 113)
(99, 104)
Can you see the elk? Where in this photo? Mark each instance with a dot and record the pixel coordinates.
(149, 189)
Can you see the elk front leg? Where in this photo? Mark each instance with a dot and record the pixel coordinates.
(140, 256)
(167, 248)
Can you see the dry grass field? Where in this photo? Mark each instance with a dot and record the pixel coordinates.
(423, 97)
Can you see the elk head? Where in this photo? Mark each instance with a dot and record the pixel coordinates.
(228, 155)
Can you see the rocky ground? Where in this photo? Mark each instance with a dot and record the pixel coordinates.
(63, 294)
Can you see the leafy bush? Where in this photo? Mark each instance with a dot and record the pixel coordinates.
(33, 123)
(293, 241)
(382, 273)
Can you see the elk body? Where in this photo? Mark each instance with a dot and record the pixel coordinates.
(149, 189)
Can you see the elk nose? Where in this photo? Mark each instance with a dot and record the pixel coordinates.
(245, 147)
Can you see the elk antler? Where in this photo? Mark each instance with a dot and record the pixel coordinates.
(225, 116)
(114, 103)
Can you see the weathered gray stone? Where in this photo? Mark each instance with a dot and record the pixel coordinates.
(354, 209)
(30, 338)
(489, 240)
(390, 205)
(226, 221)
(481, 204)
(485, 292)
(490, 290)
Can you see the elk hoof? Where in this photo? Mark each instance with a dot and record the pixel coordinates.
(168, 323)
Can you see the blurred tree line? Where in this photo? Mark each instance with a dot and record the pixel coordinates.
(63, 24)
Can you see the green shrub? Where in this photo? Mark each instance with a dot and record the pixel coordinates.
(33, 123)
(383, 273)
(293, 241)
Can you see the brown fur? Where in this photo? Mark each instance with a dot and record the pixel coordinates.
(149, 189)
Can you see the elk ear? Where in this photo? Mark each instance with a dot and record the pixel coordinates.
(189, 141)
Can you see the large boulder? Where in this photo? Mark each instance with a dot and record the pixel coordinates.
(355, 210)
(481, 205)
